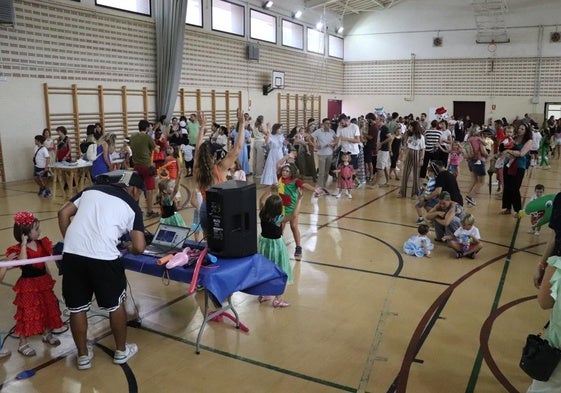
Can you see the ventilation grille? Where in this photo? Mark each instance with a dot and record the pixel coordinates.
(555, 36)
(437, 41)
(7, 14)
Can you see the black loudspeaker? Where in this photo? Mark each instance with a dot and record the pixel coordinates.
(232, 219)
(252, 52)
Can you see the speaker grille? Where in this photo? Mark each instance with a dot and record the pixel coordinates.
(252, 52)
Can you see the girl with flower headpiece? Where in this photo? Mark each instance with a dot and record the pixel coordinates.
(37, 306)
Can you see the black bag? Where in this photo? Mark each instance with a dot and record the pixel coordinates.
(539, 359)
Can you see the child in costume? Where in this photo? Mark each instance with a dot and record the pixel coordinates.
(419, 245)
(168, 209)
(466, 240)
(345, 173)
(455, 157)
(37, 306)
(539, 191)
(271, 243)
(288, 186)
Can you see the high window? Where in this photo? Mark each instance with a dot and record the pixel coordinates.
(292, 34)
(336, 47)
(316, 41)
(262, 26)
(228, 17)
(194, 13)
(136, 6)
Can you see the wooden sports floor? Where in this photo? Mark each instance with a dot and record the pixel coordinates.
(364, 316)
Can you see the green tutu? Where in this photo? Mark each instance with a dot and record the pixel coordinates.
(176, 220)
(275, 250)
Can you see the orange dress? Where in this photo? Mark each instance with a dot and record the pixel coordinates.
(37, 305)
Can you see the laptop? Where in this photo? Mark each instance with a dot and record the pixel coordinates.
(167, 238)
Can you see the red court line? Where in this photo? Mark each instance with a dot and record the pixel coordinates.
(484, 342)
(417, 336)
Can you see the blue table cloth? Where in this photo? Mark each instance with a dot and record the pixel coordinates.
(254, 275)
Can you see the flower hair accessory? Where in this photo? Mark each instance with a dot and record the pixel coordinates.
(24, 218)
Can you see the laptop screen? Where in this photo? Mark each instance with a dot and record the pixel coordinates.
(170, 236)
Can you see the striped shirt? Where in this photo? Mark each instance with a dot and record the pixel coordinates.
(432, 138)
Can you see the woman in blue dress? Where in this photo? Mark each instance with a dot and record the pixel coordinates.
(243, 156)
(102, 162)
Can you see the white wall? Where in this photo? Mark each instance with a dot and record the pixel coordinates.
(409, 27)
(508, 107)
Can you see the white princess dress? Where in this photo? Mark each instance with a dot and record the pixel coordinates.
(276, 142)
(414, 246)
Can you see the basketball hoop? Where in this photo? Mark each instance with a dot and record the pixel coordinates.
(492, 47)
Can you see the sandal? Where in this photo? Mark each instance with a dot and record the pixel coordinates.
(26, 350)
(279, 303)
(51, 340)
(263, 299)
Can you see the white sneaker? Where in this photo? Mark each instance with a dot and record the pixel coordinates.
(338, 195)
(537, 233)
(122, 357)
(348, 193)
(84, 362)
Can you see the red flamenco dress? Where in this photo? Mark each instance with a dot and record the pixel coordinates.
(37, 305)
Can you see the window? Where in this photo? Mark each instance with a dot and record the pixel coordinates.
(262, 26)
(315, 41)
(194, 13)
(136, 6)
(335, 47)
(228, 17)
(292, 34)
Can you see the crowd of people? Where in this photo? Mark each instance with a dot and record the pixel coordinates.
(371, 149)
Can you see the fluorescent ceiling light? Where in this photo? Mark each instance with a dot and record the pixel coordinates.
(267, 4)
(319, 25)
(297, 14)
(340, 29)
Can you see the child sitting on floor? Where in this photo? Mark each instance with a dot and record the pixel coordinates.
(419, 245)
(466, 241)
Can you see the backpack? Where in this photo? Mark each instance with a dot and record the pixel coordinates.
(91, 153)
(467, 150)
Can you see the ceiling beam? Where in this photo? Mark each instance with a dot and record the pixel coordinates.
(318, 3)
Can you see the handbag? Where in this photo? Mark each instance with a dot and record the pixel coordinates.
(539, 359)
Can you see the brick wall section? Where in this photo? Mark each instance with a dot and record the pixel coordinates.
(68, 43)
(53, 41)
(509, 77)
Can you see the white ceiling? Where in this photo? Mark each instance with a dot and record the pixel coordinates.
(345, 7)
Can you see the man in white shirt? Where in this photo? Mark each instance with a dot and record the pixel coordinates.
(348, 136)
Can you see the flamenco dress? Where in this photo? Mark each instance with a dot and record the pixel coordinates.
(271, 245)
(37, 305)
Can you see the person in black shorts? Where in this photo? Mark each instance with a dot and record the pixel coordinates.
(92, 223)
